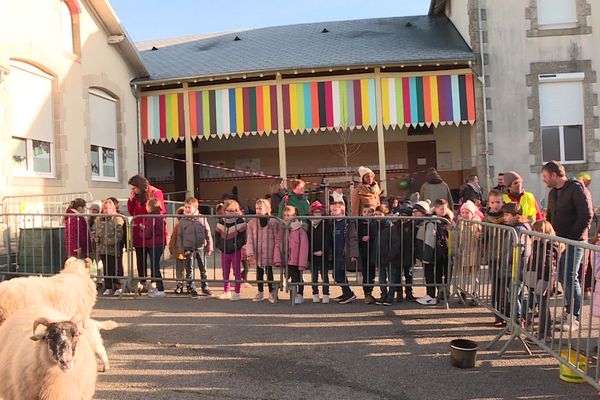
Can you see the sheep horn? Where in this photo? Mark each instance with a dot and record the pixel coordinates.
(40, 321)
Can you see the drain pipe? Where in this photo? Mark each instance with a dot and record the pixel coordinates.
(481, 79)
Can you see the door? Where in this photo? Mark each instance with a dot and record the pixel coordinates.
(421, 156)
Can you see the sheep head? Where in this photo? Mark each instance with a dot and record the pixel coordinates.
(61, 339)
(75, 265)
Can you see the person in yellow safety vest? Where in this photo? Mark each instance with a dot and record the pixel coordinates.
(516, 194)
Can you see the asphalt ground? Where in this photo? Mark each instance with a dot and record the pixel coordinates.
(183, 348)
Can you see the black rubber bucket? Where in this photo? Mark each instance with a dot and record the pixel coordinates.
(463, 353)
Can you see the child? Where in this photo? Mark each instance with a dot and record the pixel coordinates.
(122, 244)
(174, 250)
(441, 246)
(494, 247)
(77, 240)
(366, 237)
(538, 276)
(193, 237)
(260, 247)
(344, 249)
(406, 254)
(425, 250)
(297, 250)
(231, 236)
(319, 234)
(470, 235)
(107, 233)
(153, 238)
(386, 248)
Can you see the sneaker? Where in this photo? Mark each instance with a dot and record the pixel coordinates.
(325, 299)
(235, 296)
(424, 300)
(431, 302)
(108, 292)
(299, 299)
(225, 296)
(246, 285)
(349, 299)
(339, 298)
(316, 298)
(380, 301)
(156, 293)
(273, 298)
(369, 299)
(178, 289)
(260, 296)
(142, 288)
(206, 291)
(410, 297)
(118, 292)
(386, 303)
(193, 292)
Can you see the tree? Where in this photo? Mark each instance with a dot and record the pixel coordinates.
(344, 149)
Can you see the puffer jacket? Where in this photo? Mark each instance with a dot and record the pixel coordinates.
(230, 234)
(107, 233)
(425, 241)
(193, 232)
(260, 240)
(153, 230)
(296, 242)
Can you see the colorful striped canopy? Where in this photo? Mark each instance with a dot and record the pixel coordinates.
(162, 117)
(311, 106)
(426, 100)
(247, 110)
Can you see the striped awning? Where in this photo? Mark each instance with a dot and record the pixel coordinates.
(428, 100)
(162, 117)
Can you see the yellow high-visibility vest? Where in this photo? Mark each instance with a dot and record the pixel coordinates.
(527, 204)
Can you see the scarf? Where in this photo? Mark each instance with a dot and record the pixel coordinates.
(337, 197)
(294, 224)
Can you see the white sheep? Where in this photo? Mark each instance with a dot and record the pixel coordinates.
(92, 330)
(70, 292)
(56, 363)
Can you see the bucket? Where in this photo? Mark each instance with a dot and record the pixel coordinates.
(463, 353)
(578, 360)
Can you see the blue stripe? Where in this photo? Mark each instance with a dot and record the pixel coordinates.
(414, 108)
(232, 116)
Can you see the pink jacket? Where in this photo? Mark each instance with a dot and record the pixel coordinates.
(260, 241)
(297, 246)
(77, 238)
(596, 302)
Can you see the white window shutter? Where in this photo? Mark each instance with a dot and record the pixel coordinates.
(555, 12)
(561, 103)
(103, 119)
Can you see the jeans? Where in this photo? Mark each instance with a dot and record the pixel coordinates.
(227, 262)
(260, 275)
(367, 269)
(155, 256)
(186, 264)
(339, 274)
(408, 280)
(568, 276)
(295, 275)
(391, 276)
(319, 267)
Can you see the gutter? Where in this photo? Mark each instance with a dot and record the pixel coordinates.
(486, 152)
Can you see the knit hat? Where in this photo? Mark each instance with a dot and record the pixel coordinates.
(423, 206)
(470, 206)
(405, 208)
(95, 205)
(362, 171)
(510, 177)
(316, 206)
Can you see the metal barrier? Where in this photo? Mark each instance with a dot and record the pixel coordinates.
(40, 203)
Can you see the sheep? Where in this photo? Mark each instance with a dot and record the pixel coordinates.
(92, 330)
(55, 363)
(70, 292)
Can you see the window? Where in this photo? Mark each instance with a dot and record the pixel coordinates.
(561, 117)
(103, 126)
(32, 120)
(67, 27)
(555, 14)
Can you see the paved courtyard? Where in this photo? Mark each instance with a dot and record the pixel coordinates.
(183, 348)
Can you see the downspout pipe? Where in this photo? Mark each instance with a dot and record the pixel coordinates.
(481, 79)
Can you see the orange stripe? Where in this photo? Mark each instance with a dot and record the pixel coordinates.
(314, 102)
(470, 97)
(144, 116)
(260, 114)
(427, 99)
(193, 116)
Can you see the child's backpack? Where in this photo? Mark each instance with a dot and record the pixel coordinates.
(441, 239)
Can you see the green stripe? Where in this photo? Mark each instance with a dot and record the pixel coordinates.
(252, 98)
(205, 112)
(399, 101)
(343, 95)
(420, 100)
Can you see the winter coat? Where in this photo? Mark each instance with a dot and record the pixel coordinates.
(77, 239)
(469, 245)
(107, 232)
(425, 242)
(350, 242)
(570, 210)
(506, 270)
(405, 255)
(596, 302)
(386, 243)
(276, 199)
(473, 193)
(153, 231)
(296, 242)
(435, 191)
(260, 240)
(193, 233)
(230, 235)
(365, 195)
(320, 239)
(292, 199)
(544, 261)
(134, 207)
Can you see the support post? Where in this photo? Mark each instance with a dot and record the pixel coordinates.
(280, 129)
(380, 136)
(189, 148)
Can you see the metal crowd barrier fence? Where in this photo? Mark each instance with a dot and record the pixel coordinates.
(40, 203)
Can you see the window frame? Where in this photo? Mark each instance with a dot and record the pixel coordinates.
(29, 172)
(102, 93)
(557, 25)
(101, 177)
(67, 24)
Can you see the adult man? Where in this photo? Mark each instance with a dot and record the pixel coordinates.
(501, 185)
(570, 213)
(516, 194)
(473, 191)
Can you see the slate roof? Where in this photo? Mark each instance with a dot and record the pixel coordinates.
(354, 43)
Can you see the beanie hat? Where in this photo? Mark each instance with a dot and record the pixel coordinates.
(316, 206)
(362, 171)
(470, 206)
(510, 177)
(423, 206)
(405, 208)
(95, 205)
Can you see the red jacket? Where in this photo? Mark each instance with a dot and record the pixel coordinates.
(153, 231)
(77, 238)
(134, 207)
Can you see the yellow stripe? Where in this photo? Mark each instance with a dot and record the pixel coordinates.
(364, 99)
(293, 106)
(433, 90)
(239, 111)
(385, 101)
(267, 107)
(174, 106)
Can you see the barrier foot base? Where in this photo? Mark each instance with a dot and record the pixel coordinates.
(498, 337)
(515, 335)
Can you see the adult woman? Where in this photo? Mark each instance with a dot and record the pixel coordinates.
(277, 193)
(366, 193)
(141, 191)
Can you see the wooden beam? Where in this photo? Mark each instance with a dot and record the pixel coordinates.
(280, 129)
(189, 148)
(380, 132)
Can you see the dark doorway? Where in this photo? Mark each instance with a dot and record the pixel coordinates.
(421, 156)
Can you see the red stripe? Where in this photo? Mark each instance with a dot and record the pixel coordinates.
(246, 106)
(329, 104)
(470, 97)
(406, 99)
(273, 104)
(193, 121)
(163, 116)
(260, 112)
(314, 102)
(144, 116)
(357, 103)
(180, 116)
(286, 106)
